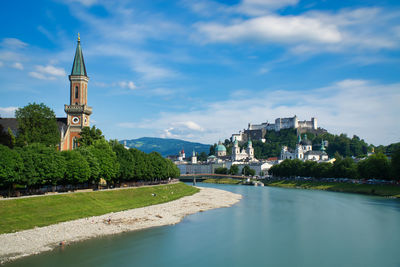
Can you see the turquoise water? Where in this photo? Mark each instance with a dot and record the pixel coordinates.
(269, 227)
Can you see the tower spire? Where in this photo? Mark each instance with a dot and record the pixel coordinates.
(78, 68)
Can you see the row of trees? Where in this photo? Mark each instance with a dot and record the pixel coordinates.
(377, 166)
(234, 170)
(36, 165)
(32, 159)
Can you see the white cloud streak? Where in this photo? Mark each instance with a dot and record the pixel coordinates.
(48, 72)
(18, 66)
(7, 112)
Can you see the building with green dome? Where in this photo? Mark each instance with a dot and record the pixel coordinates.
(220, 150)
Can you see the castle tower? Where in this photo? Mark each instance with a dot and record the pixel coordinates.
(78, 112)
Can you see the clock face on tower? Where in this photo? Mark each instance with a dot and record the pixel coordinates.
(75, 120)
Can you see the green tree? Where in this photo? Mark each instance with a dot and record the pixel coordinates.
(376, 166)
(78, 169)
(234, 169)
(395, 164)
(11, 166)
(93, 163)
(248, 171)
(203, 156)
(37, 124)
(89, 136)
(106, 158)
(221, 170)
(7, 138)
(42, 165)
(126, 161)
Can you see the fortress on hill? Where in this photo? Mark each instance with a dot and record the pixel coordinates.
(258, 131)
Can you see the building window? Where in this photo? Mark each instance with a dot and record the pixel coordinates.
(74, 143)
(76, 91)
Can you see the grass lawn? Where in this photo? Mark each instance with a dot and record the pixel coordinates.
(222, 181)
(26, 213)
(379, 190)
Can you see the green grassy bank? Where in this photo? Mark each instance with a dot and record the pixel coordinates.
(26, 213)
(378, 190)
(222, 181)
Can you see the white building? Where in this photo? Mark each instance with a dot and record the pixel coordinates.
(244, 154)
(304, 151)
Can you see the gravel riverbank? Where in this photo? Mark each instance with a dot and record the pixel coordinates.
(33, 241)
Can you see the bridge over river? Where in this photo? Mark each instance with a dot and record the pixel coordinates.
(203, 176)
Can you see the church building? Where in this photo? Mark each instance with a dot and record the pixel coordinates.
(78, 111)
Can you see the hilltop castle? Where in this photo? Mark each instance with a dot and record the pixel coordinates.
(258, 131)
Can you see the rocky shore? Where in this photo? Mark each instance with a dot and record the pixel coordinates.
(33, 241)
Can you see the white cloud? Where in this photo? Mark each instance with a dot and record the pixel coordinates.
(259, 7)
(18, 66)
(1, 64)
(48, 72)
(129, 84)
(347, 30)
(7, 111)
(286, 29)
(360, 107)
(12, 43)
(185, 129)
(87, 3)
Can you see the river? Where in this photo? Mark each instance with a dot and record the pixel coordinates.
(268, 227)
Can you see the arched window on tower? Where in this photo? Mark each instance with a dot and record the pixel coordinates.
(76, 91)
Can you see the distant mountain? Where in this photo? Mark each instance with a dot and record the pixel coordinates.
(166, 146)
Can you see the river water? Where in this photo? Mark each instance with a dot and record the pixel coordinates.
(268, 227)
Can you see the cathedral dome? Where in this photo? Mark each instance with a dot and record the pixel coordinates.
(220, 147)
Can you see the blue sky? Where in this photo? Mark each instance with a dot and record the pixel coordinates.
(201, 70)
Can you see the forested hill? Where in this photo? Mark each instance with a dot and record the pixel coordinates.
(166, 146)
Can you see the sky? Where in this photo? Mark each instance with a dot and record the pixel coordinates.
(201, 70)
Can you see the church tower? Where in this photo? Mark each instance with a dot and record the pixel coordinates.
(78, 112)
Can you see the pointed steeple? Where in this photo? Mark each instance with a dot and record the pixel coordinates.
(78, 68)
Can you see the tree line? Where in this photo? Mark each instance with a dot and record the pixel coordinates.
(377, 166)
(234, 170)
(33, 160)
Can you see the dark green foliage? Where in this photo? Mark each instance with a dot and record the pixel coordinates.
(11, 166)
(7, 138)
(221, 170)
(89, 135)
(37, 124)
(395, 163)
(376, 166)
(248, 171)
(93, 163)
(77, 168)
(202, 157)
(106, 158)
(234, 170)
(212, 150)
(42, 165)
(344, 168)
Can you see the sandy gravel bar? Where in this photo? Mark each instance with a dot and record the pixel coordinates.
(40, 239)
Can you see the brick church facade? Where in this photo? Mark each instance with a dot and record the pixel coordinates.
(78, 112)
